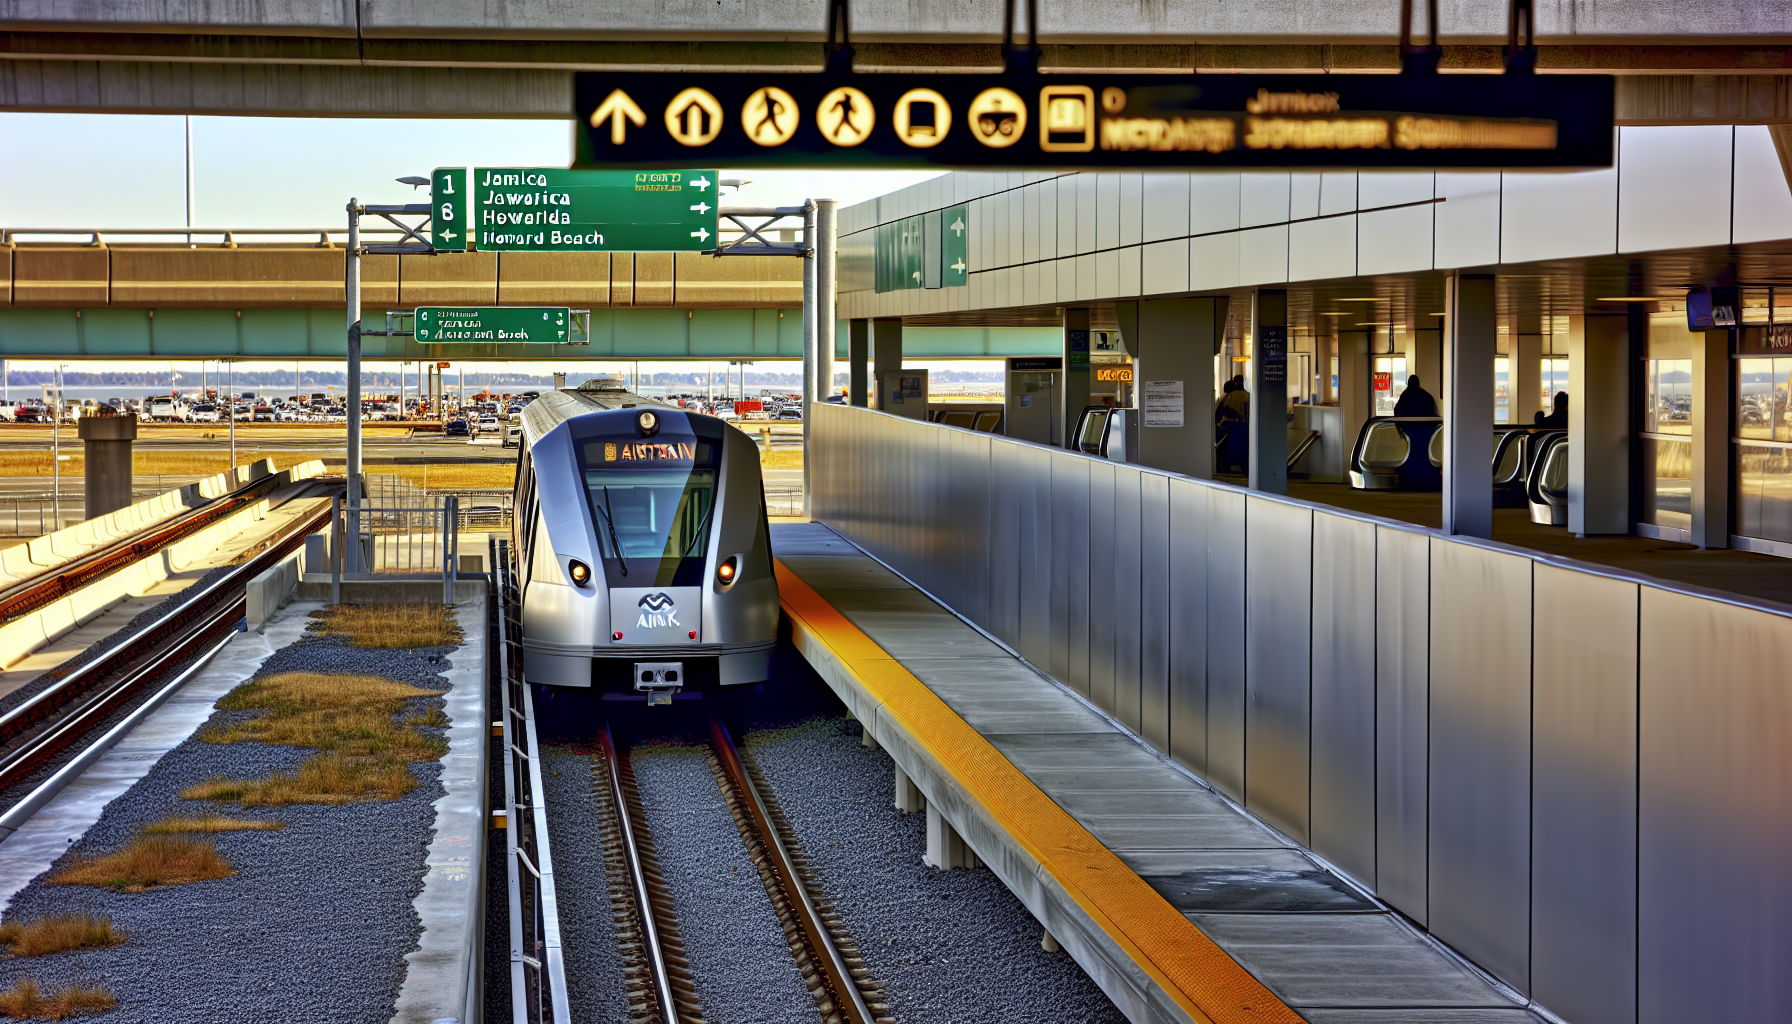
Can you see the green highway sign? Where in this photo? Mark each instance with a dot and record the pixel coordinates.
(448, 208)
(558, 210)
(494, 325)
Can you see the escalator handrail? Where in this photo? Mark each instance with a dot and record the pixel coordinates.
(1362, 436)
(1533, 485)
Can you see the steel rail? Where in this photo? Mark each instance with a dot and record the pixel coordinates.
(202, 608)
(542, 997)
(650, 932)
(848, 1001)
(56, 582)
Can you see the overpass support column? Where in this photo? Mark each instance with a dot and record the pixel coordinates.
(1469, 349)
(858, 355)
(886, 356)
(1598, 425)
(1175, 340)
(1269, 392)
(1075, 392)
(1711, 439)
(106, 442)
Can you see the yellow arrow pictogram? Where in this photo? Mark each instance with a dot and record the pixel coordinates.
(614, 108)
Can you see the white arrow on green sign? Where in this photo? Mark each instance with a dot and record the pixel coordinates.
(558, 210)
(493, 325)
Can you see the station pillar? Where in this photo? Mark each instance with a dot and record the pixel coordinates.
(1711, 439)
(1173, 343)
(1269, 391)
(1074, 395)
(1598, 425)
(1469, 349)
(858, 357)
(1354, 388)
(886, 355)
(106, 441)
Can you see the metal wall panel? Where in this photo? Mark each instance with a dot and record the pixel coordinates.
(1070, 563)
(1066, 219)
(1481, 756)
(1714, 811)
(1126, 596)
(1583, 814)
(1225, 642)
(1402, 718)
(1343, 799)
(1101, 584)
(1088, 190)
(1277, 662)
(1107, 213)
(1035, 485)
(1154, 609)
(1004, 542)
(1188, 623)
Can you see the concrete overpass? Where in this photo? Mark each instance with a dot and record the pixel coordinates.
(225, 298)
(1718, 61)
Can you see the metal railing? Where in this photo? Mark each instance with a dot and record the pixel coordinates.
(537, 968)
(396, 542)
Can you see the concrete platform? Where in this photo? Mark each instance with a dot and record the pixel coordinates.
(1327, 951)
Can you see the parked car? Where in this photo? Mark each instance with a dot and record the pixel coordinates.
(513, 435)
(488, 423)
(457, 428)
(790, 412)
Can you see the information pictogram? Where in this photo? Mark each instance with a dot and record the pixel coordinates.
(922, 118)
(1067, 119)
(694, 118)
(845, 116)
(769, 117)
(998, 118)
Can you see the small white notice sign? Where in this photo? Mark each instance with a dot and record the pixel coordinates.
(1161, 402)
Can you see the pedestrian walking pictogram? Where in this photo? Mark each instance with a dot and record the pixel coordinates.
(769, 117)
(845, 116)
(998, 118)
(694, 117)
(922, 118)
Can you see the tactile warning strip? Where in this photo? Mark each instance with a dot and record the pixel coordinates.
(1194, 971)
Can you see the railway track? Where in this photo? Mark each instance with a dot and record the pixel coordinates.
(660, 981)
(79, 699)
(54, 584)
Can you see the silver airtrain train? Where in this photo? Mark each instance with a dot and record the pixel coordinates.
(643, 559)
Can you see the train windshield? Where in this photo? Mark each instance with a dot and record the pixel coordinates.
(652, 500)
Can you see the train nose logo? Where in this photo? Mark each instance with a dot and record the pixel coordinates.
(657, 610)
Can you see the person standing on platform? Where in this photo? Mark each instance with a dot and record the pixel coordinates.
(1415, 400)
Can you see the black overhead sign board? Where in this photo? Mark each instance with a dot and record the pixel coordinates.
(1092, 120)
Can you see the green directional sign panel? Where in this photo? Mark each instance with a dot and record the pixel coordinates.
(553, 209)
(494, 325)
(955, 223)
(448, 209)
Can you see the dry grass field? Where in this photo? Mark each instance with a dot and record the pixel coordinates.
(45, 935)
(373, 626)
(24, 1001)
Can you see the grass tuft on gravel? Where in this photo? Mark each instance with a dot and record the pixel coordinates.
(147, 862)
(24, 1001)
(346, 714)
(387, 626)
(211, 823)
(45, 935)
(328, 778)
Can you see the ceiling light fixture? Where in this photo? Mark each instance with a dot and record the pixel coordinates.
(1370, 298)
(1635, 298)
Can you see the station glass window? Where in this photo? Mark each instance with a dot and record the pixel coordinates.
(1554, 378)
(1666, 438)
(1762, 424)
(1502, 389)
(1395, 369)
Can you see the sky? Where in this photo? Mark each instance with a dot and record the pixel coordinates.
(283, 172)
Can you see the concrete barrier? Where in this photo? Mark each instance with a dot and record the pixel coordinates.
(25, 635)
(268, 593)
(35, 557)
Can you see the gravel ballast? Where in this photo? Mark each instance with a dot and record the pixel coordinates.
(315, 924)
(744, 969)
(594, 979)
(951, 947)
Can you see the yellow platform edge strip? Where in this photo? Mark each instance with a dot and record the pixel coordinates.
(1195, 972)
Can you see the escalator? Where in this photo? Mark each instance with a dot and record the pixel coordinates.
(1386, 458)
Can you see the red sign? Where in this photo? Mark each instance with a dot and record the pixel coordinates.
(1384, 381)
(746, 405)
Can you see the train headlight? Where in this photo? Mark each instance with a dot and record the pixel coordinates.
(649, 422)
(579, 571)
(728, 570)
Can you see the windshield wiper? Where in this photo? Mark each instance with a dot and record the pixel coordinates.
(702, 530)
(610, 524)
